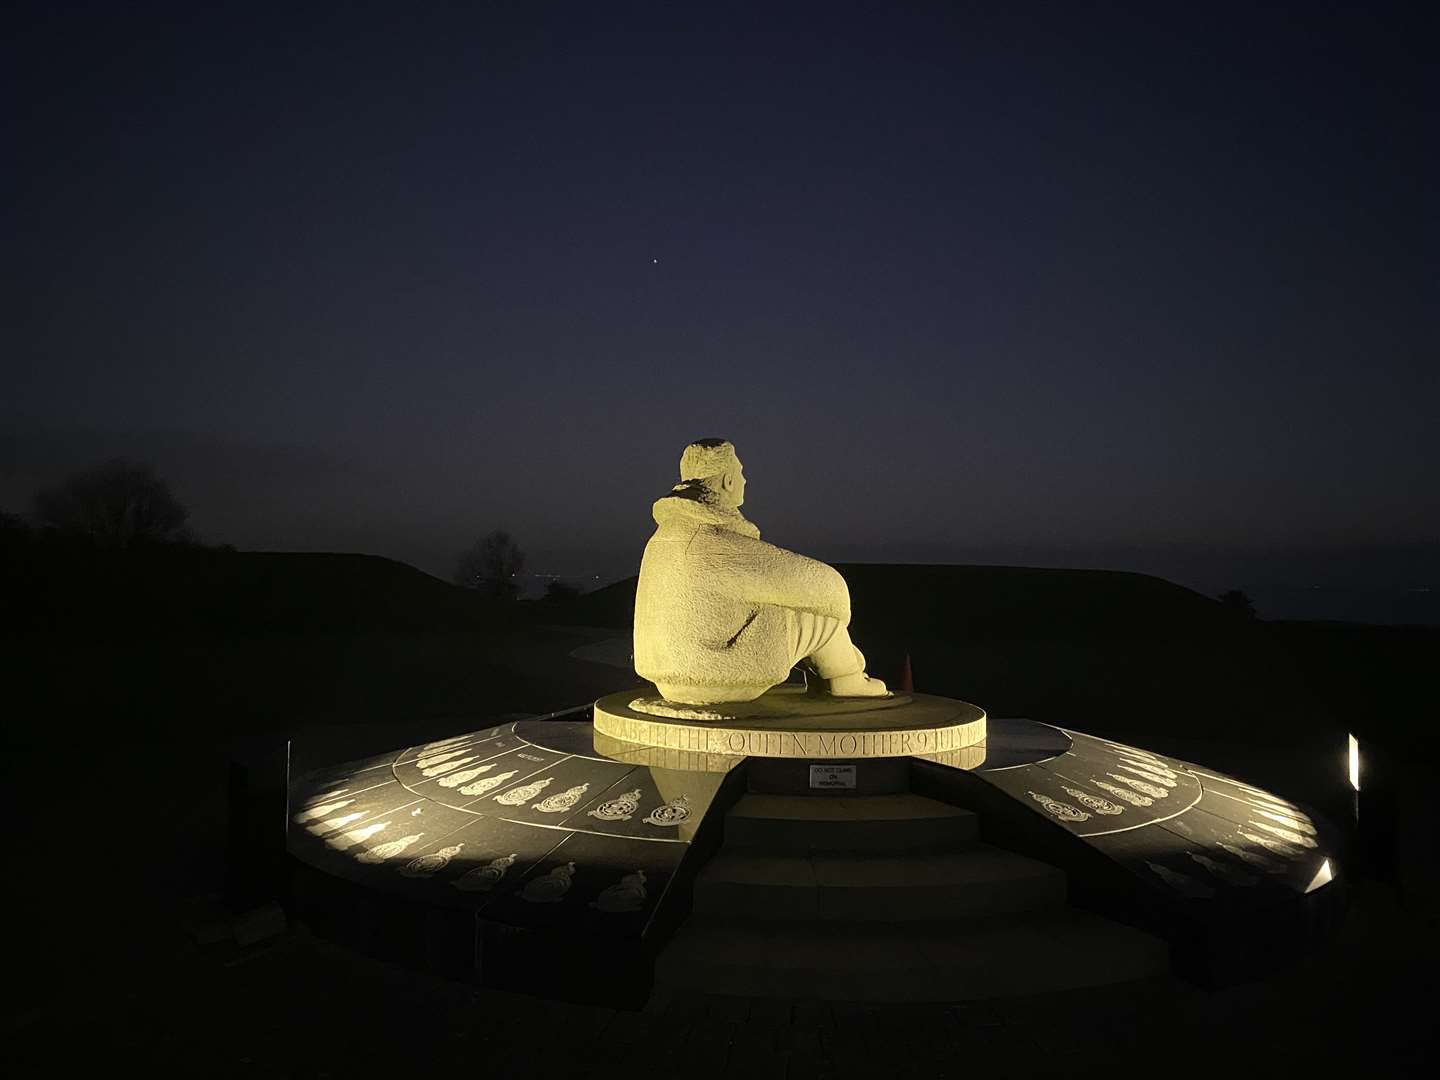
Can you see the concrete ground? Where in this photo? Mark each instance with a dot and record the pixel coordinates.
(147, 997)
(115, 857)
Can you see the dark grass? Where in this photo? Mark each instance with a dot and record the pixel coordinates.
(130, 681)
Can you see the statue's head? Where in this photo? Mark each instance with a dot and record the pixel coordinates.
(712, 462)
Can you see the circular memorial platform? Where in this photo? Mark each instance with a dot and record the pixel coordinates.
(789, 722)
(543, 856)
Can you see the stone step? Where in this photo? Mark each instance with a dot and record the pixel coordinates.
(805, 823)
(1037, 953)
(979, 880)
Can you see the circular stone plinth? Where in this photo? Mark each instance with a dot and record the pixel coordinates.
(786, 722)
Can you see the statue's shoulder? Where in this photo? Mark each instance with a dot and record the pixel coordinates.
(682, 510)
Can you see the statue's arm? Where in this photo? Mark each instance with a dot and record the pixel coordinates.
(762, 573)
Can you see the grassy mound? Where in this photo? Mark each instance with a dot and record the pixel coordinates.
(98, 593)
(981, 603)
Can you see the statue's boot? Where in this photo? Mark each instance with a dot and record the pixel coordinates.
(857, 685)
(853, 683)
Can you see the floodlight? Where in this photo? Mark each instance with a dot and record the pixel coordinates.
(1323, 876)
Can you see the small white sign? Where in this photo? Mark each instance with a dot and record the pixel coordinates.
(832, 776)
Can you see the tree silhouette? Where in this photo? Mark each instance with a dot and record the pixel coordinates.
(116, 504)
(490, 565)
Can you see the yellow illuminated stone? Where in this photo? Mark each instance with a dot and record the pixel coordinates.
(786, 722)
(722, 616)
(663, 757)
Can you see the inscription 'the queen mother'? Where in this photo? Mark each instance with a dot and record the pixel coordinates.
(790, 744)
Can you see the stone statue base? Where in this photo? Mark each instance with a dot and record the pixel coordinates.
(787, 701)
(788, 722)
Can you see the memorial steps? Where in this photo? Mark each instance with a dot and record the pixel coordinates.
(887, 898)
(792, 825)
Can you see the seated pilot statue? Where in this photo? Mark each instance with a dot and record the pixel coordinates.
(722, 616)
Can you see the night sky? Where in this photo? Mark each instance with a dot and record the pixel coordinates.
(1143, 287)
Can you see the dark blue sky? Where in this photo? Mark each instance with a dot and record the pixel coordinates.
(1000, 283)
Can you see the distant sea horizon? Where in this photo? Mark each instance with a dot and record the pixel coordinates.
(1321, 603)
